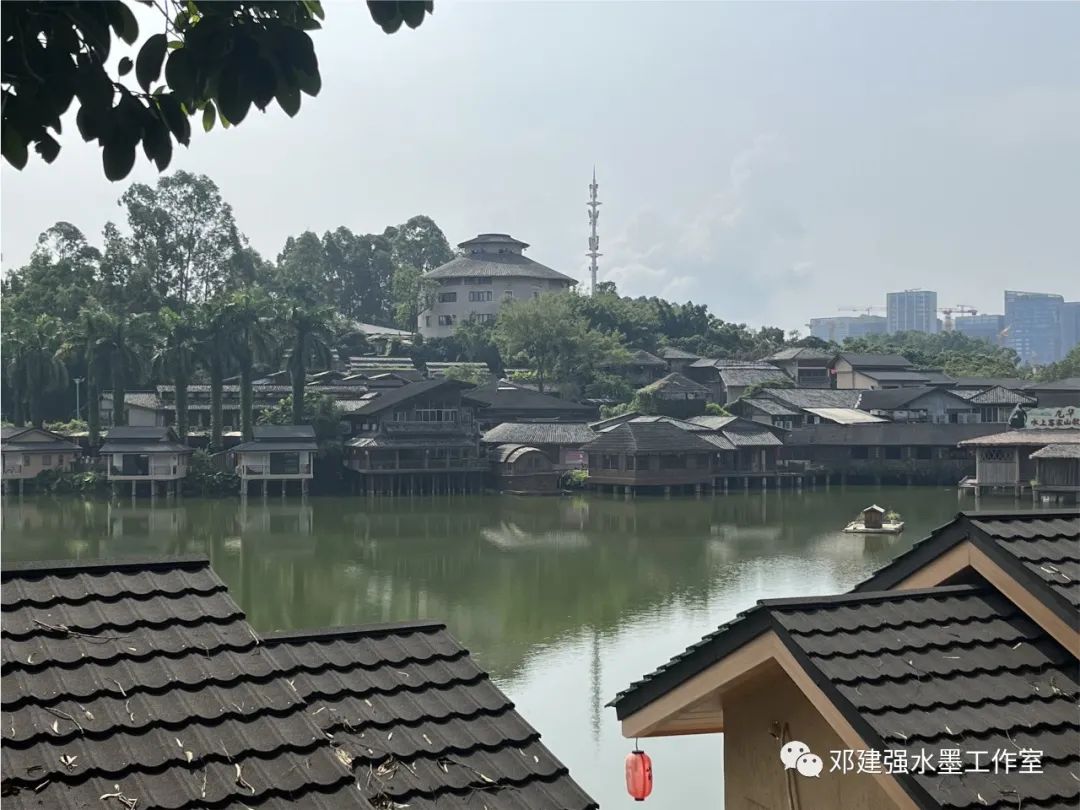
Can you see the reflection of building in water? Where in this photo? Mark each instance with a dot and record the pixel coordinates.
(148, 529)
(509, 536)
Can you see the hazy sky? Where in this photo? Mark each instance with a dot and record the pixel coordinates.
(773, 161)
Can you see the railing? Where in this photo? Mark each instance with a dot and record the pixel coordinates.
(420, 464)
(412, 426)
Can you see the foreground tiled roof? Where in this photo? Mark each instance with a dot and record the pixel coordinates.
(1031, 437)
(953, 667)
(1058, 451)
(647, 437)
(738, 376)
(423, 726)
(813, 397)
(141, 684)
(570, 433)
(995, 395)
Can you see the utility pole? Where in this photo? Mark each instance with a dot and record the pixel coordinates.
(594, 241)
(78, 405)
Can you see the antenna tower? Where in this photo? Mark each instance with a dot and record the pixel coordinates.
(594, 241)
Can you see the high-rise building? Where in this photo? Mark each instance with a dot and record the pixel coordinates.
(1033, 326)
(981, 327)
(837, 329)
(1070, 326)
(911, 311)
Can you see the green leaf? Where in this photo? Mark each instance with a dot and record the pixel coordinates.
(148, 62)
(47, 147)
(263, 84)
(157, 143)
(412, 11)
(209, 113)
(232, 96)
(175, 118)
(123, 22)
(309, 83)
(118, 157)
(124, 68)
(288, 97)
(13, 145)
(180, 75)
(385, 14)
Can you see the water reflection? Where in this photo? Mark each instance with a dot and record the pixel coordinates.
(564, 600)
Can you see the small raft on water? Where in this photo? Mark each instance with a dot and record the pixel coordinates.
(875, 520)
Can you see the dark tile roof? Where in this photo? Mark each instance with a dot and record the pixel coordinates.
(502, 394)
(676, 385)
(711, 421)
(423, 725)
(770, 407)
(640, 357)
(124, 433)
(746, 433)
(1058, 451)
(568, 433)
(896, 399)
(18, 439)
(149, 677)
(497, 265)
(888, 375)
(951, 667)
(390, 397)
(800, 353)
(144, 679)
(1024, 437)
(1067, 384)
(1040, 550)
(891, 433)
(647, 437)
(271, 433)
(743, 376)
(127, 439)
(672, 353)
(1012, 383)
(995, 395)
(813, 397)
(867, 361)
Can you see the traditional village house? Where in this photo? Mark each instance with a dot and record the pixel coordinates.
(676, 359)
(982, 383)
(522, 470)
(801, 406)
(150, 454)
(650, 455)
(639, 368)
(886, 452)
(1004, 460)
(29, 451)
(809, 368)
(419, 438)
(280, 453)
(501, 401)
(1057, 472)
(748, 452)
(995, 403)
(851, 371)
(675, 395)
(959, 654)
(1056, 394)
(727, 380)
(561, 442)
(141, 683)
(921, 404)
(489, 271)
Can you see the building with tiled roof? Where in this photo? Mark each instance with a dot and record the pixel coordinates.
(30, 451)
(140, 684)
(947, 680)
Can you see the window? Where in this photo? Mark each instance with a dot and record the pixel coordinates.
(478, 280)
(46, 460)
(427, 320)
(536, 293)
(924, 453)
(284, 463)
(483, 317)
(860, 452)
(894, 453)
(480, 295)
(508, 295)
(629, 462)
(450, 297)
(446, 320)
(610, 462)
(26, 461)
(997, 454)
(429, 415)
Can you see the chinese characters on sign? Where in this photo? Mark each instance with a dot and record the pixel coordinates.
(1068, 417)
(944, 761)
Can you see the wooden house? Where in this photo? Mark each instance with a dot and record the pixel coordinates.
(523, 470)
(961, 652)
(850, 370)
(676, 395)
(1004, 460)
(150, 454)
(809, 368)
(501, 401)
(677, 359)
(420, 437)
(727, 380)
(655, 454)
(1057, 471)
(640, 368)
(561, 442)
(919, 404)
(995, 403)
(29, 451)
(279, 453)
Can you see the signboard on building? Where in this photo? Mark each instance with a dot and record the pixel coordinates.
(1067, 417)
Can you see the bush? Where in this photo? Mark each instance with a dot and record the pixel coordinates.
(575, 479)
(714, 409)
(57, 482)
(205, 477)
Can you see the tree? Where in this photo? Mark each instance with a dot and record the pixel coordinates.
(318, 410)
(184, 236)
(311, 336)
(81, 347)
(1068, 366)
(219, 59)
(174, 358)
(360, 270)
(59, 277)
(301, 274)
(250, 337)
(955, 353)
(417, 248)
(122, 343)
(552, 338)
(212, 335)
(30, 346)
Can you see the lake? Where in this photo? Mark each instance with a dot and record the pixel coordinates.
(564, 600)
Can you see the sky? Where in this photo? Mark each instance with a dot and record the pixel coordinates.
(774, 161)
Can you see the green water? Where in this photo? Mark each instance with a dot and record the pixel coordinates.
(564, 600)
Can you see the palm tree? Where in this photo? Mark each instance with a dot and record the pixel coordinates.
(311, 335)
(174, 358)
(248, 314)
(122, 342)
(34, 367)
(81, 344)
(213, 342)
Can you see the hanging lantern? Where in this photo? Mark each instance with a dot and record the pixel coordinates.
(638, 775)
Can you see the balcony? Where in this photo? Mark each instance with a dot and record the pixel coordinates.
(416, 427)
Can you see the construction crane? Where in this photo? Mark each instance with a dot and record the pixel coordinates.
(866, 310)
(959, 309)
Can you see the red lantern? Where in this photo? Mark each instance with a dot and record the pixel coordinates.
(638, 775)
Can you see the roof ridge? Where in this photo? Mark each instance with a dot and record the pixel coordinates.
(1029, 514)
(117, 565)
(375, 629)
(873, 596)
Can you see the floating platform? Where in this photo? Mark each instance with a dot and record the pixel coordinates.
(857, 527)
